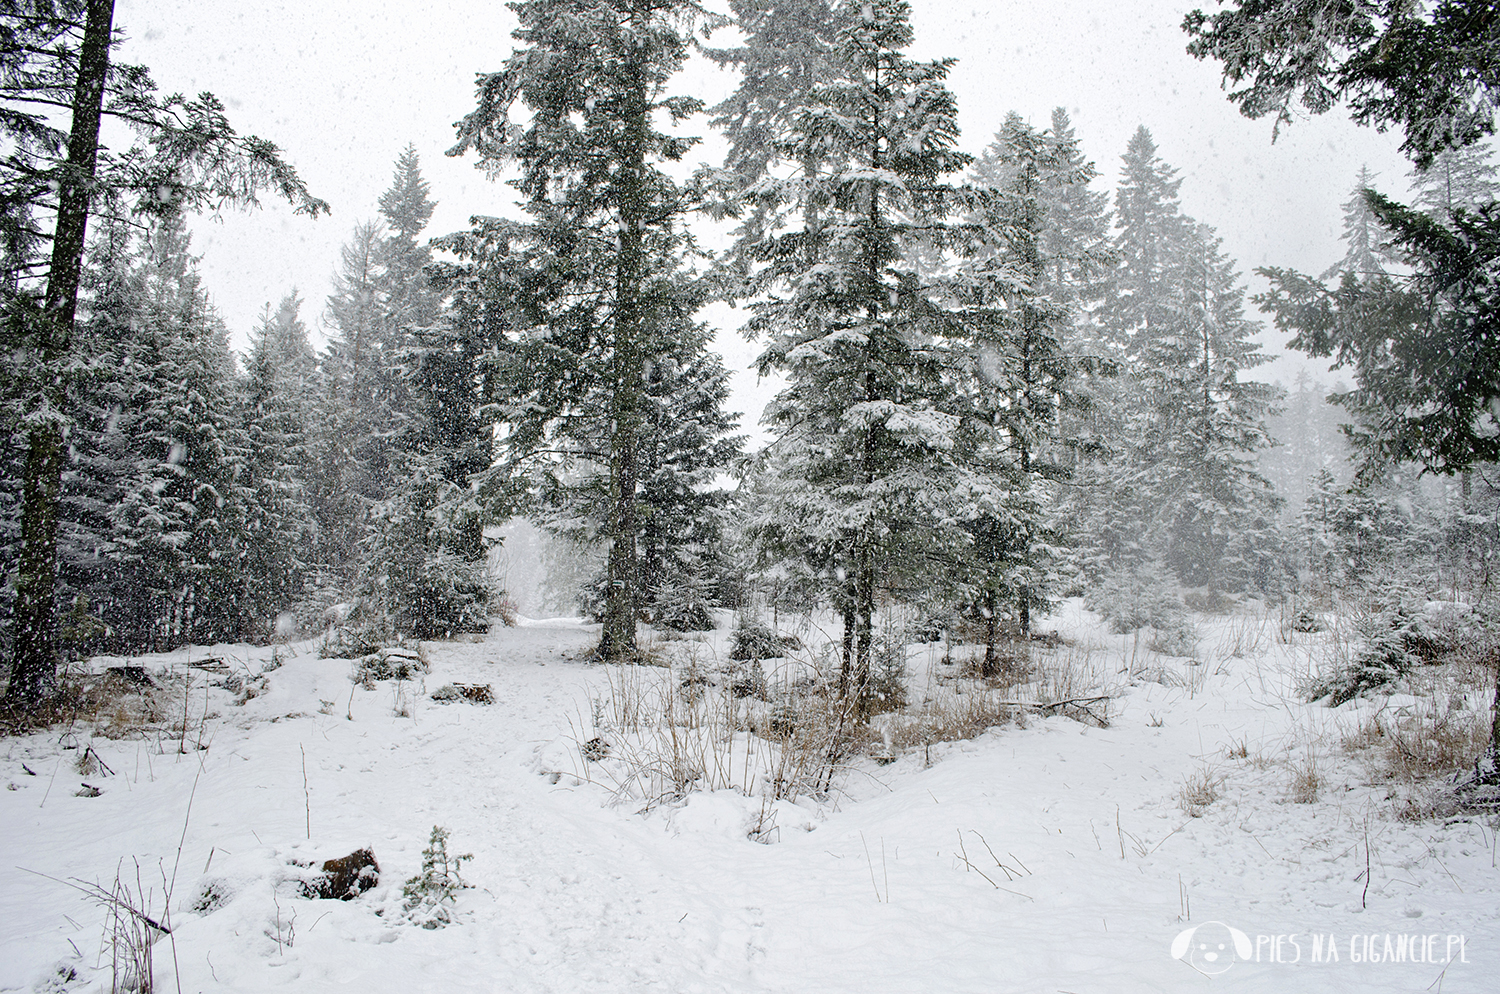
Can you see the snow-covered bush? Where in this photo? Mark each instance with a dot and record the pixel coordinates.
(749, 681)
(753, 639)
(1130, 599)
(389, 663)
(1145, 597)
(1180, 638)
(684, 606)
(1395, 634)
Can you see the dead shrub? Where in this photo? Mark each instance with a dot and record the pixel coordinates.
(504, 607)
(1438, 736)
(950, 717)
(1012, 664)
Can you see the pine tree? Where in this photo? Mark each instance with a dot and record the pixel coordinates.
(864, 436)
(580, 299)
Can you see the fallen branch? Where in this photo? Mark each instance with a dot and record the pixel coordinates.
(1085, 705)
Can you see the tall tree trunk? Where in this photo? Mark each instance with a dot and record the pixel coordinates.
(1493, 755)
(991, 664)
(847, 669)
(617, 641)
(865, 613)
(34, 666)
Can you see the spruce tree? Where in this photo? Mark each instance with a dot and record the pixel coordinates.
(1210, 421)
(865, 433)
(1368, 251)
(279, 408)
(1076, 240)
(581, 298)
(380, 293)
(152, 509)
(1017, 303)
(353, 429)
(790, 48)
(686, 444)
(1151, 229)
(1458, 179)
(1181, 478)
(1115, 509)
(400, 433)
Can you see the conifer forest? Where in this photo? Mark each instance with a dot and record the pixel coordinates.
(1053, 601)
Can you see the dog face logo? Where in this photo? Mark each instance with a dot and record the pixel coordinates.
(1211, 948)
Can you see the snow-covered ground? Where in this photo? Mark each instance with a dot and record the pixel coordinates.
(864, 891)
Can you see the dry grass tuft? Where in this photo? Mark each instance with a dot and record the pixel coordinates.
(1307, 779)
(950, 716)
(1200, 789)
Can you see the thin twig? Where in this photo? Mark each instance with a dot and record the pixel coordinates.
(306, 796)
(1366, 892)
(871, 863)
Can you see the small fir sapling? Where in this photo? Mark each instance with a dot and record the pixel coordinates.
(431, 895)
(886, 689)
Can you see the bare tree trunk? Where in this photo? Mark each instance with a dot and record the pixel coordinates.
(34, 666)
(847, 669)
(865, 612)
(1494, 750)
(991, 632)
(617, 641)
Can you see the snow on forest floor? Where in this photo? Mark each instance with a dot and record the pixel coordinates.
(865, 890)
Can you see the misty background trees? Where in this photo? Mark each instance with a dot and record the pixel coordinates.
(1004, 382)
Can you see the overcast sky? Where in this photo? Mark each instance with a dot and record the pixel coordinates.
(343, 85)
